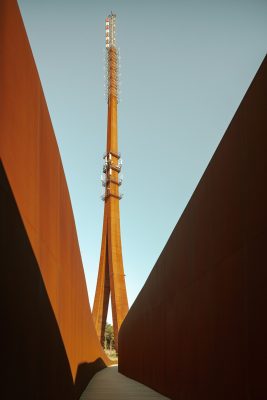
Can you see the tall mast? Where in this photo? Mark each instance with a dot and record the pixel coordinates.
(111, 278)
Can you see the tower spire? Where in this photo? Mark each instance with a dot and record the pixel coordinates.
(111, 278)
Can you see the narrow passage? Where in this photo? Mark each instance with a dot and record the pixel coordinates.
(109, 384)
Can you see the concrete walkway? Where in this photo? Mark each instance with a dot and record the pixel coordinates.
(109, 384)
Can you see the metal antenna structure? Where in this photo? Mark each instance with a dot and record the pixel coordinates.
(111, 278)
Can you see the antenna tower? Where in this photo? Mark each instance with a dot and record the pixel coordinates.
(111, 278)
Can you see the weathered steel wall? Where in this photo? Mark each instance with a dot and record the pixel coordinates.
(32, 175)
(198, 328)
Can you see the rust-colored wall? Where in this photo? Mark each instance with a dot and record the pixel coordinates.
(198, 328)
(32, 167)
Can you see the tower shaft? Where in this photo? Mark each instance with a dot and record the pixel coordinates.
(111, 279)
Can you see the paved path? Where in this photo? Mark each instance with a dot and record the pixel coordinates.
(109, 384)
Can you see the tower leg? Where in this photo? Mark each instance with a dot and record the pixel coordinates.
(101, 301)
(111, 280)
(119, 300)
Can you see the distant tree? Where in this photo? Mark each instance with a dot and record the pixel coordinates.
(109, 337)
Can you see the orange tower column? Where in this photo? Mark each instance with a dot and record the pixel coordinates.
(111, 278)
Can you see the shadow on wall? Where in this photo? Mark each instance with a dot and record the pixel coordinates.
(34, 361)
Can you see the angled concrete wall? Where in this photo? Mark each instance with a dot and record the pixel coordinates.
(198, 328)
(38, 238)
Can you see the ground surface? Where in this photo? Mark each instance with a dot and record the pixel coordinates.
(110, 384)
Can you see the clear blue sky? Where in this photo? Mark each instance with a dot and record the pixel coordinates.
(186, 65)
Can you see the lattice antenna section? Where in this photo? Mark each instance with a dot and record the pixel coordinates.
(112, 59)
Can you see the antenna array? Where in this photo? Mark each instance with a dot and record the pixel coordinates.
(112, 65)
